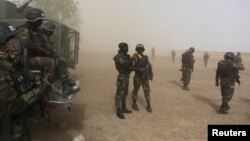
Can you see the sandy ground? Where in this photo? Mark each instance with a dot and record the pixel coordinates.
(177, 115)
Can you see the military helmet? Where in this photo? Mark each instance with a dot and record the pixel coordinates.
(229, 55)
(34, 14)
(50, 26)
(6, 30)
(122, 45)
(191, 49)
(139, 46)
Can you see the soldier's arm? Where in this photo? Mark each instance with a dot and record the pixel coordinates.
(217, 77)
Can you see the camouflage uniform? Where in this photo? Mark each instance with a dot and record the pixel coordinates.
(187, 68)
(227, 73)
(143, 73)
(61, 68)
(30, 38)
(13, 102)
(123, 66)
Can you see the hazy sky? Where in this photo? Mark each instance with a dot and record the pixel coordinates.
(214, 25)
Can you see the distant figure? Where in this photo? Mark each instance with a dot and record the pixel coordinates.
(173, 56)
(187, 67)
(153, 52)
(238, 61)
(205, 58)
(226, 75)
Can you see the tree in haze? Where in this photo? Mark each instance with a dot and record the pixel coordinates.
(63, 11)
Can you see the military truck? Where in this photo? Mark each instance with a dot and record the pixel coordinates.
(65, 39)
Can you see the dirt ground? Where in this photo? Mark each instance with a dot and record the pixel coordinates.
(177, 115)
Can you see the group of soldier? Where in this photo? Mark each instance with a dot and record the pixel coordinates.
(227, 74)
(139, 63)
(28, 67)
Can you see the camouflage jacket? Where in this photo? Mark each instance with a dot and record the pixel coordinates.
(123, 63)
(227, 69)
(142, 66)
(187, 60)
(32, 39)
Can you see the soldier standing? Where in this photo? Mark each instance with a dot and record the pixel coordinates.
(124, 68)
(187, 67)
(143, 73)
(205, 58)
(173, 54)
(153, 52)
(226, 76)
(238, 61)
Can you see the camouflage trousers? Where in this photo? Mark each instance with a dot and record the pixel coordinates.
(186, 75)
(45, 64)
(13, 106)
(122, 85)
(227, 90)
(138, 82)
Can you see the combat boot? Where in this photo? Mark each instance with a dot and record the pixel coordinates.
(227, 107)
(223, 108)
(125, 110)
(148, 108)
(119, 113)
(135, 107)
(185, 88)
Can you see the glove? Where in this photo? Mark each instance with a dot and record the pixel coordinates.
(217, 83)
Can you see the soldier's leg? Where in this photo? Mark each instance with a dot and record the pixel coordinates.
(227, 90)
(186, 78)
(137, 83)
(146, 89)
(118, 98)
(124, 107)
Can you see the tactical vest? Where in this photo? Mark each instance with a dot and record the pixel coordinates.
(227, 70)
(123, 63)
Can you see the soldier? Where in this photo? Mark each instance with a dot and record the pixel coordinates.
(16, 94)
(205, 58)
(61, 68)
(124, 68)
(173, 54)
(187, 67)
(226, 76)
(153, 52)
(143, 73)
(31, 38)
(238, 61)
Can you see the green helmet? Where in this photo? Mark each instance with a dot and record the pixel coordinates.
(34, 14)
(49, 26)
(140, 46)
(6, 30)
(229, 55)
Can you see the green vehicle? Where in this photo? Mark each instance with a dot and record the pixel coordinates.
(65, 39)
